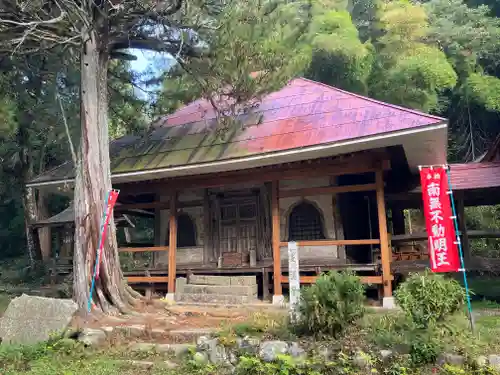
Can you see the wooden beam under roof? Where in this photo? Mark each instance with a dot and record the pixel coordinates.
(351, 164)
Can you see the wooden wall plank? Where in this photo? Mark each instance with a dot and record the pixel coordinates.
(142, 249)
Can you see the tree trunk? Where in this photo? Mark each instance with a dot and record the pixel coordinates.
(44, 234)
(92, 183)
(29, 207)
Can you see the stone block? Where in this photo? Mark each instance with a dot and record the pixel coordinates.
(481, 361)
(209, 280)
(450, 359)
(215, 298)
(132, 330)
(180, 283)
(243, 280)
(229, 290)
(296, 351)
(248, 345)
(30, 319)
(92, 337)
(362, 360)
(386, 355)
(269, 350)
(494, 361)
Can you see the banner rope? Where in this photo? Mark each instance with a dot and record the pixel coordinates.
(459, 243)
(97, 260)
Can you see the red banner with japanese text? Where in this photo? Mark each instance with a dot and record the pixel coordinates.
(443, 250)
(112, 198)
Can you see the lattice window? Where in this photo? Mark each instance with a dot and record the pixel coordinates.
(186, 233)
(305, 223)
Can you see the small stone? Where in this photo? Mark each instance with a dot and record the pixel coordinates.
(178, 350)
(92, 337)
(143, 364)
(481, 361)
(200, 357)
(133, 330)
(142, 347)
(361, 360)
(296, 351)
(157, 333)
(170, 365)
(205, 343)
(269, 350)
(494, 361)
(248, 345)
(402, 349)
(108, 330)
(450, 359)
(385, 355)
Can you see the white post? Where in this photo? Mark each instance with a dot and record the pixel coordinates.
(293, 279)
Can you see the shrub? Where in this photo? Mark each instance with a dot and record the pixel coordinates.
(331, 304)
(424, 349)
(428, 298)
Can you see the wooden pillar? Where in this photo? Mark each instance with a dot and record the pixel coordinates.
(462, 227)
(275, 210)
(172, 244)
(385, 250)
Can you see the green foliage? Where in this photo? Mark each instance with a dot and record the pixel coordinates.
(330, 305)
(247, 37)
(428, 298)
(286, 365)
(424, 348)
(335, 46)
(483, 90)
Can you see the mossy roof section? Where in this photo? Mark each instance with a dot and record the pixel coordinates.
(303, 113)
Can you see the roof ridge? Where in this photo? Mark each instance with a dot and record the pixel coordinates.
(373, 100)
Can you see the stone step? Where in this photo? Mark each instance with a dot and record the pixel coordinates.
(191, 335)
(231, 290)
(214, 298)
(222, 280)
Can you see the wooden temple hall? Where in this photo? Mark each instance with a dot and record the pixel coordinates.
(313, 164)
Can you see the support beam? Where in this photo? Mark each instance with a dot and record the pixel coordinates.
(326, 190)
(462, 227)
(172, 246)
(334, 242)
(312, 279)
(275, 211)
(354, 164)
(385, 250)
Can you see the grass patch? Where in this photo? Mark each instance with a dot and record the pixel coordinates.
(263, 325)
(67, 357)
(453, 335)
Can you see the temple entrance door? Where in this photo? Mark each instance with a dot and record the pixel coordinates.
(238, 230)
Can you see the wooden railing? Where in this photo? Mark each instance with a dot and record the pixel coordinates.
(312, 279)
(142, 249)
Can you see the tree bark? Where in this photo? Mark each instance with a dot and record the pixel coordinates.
(92, 183)
(30, 215)
(44, 234)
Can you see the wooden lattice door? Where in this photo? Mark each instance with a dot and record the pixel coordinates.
(238, 230)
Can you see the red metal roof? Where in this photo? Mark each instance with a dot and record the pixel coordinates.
(475, 176)
(304, 113)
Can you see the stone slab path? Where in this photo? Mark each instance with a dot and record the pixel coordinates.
(161, 323)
